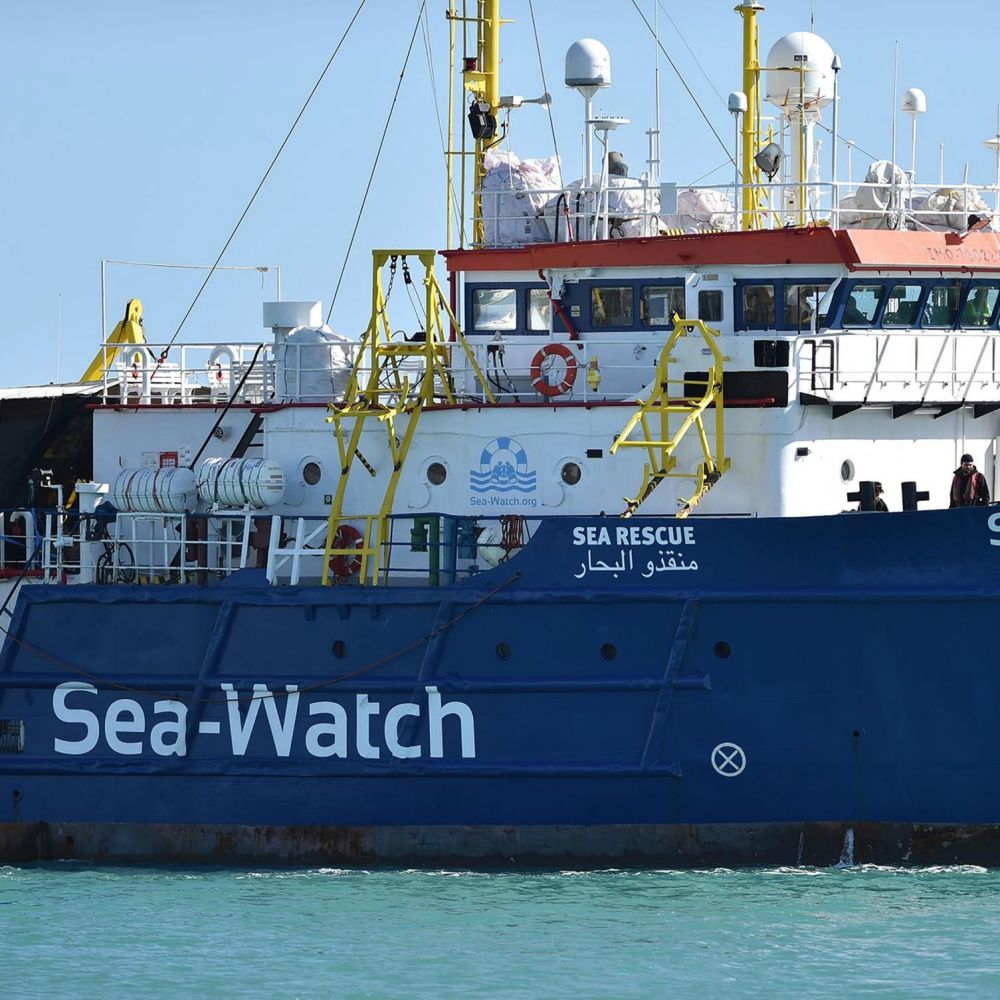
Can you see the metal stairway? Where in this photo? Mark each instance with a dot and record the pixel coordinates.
(392, 381)
(661, 446)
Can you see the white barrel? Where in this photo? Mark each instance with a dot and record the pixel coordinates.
(154, 491)
(241, 482)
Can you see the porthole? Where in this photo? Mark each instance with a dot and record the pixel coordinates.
(503, 650)
(436, 473)
(571, 473)
(311, 473)
(847, 470)
(609, 651)
(339, 649)
(722, 650)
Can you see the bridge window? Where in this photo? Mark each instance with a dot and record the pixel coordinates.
(942, 304)
(800, 303)
(901, 307)
(659, 303)
(862, 304)
(710, 305)
(611, 306)
(539, 310)
(980, 305)
(494, 309)
(758, 305)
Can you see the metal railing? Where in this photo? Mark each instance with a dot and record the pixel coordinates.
(553, 215)
(925, 367)
(146, 549)
(185, 374)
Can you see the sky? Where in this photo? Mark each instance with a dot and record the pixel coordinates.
(139, 131)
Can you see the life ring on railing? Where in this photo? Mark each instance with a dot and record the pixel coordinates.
(220, 364)
(345, 564)
(553, 351)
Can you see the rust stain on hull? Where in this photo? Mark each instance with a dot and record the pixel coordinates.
(816, 844)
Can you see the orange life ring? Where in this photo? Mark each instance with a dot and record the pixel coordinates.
(551, 351)
(346, 537)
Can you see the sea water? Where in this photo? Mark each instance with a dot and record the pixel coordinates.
(74, 931)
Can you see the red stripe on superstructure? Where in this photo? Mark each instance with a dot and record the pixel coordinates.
(873, 249)
(856, 249)
(811, 245)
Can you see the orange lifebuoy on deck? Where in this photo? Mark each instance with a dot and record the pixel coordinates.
(553, 351)
(346, 564)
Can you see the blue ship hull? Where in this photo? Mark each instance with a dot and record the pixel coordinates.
(621, 691)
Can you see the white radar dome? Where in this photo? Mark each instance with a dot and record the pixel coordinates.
(914, 101)
(588, 65)
(800, 49)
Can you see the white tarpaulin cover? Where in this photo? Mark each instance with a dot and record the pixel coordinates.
(515, 196)
(950, 208)
(878, 201)
(698, 208)
(312, 365)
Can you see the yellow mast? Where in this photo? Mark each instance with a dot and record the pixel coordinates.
(483, 81)
(751, 198)
(452, 16)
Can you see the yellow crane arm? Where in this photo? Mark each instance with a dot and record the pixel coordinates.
(128, 331)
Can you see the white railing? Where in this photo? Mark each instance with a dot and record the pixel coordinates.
(214, 373)
(188, 373)
(552, 215)
(148, 548)
(304, 549)
(924, 368)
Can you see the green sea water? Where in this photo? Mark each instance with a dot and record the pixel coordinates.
(75, 931)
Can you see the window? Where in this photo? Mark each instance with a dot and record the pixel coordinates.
(758, 305)
(862, 304)
(901, 307)
(539, 310)
(710, 306)
(942, 304)
(980, 305)
(801, 301)
(494, 309)
(659, 303)
(611, 306)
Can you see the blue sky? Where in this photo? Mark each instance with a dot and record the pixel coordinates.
(139, 131)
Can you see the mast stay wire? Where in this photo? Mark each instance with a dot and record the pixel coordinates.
(680, 76)
(545, 89)
(267, 173)
(428, 51)
(378, 153)
(708, 79)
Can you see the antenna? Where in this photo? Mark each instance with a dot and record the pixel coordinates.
(836, 66)
(895, 87)
(588, 69)
(994, 144)
(58, 336)
(654, 135)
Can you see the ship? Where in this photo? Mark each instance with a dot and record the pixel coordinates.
(577, 556)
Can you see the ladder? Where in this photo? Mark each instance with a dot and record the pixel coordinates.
(656, 412)
(391, 381)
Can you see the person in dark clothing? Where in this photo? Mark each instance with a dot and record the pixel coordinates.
(880, 504)
(968, 487)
